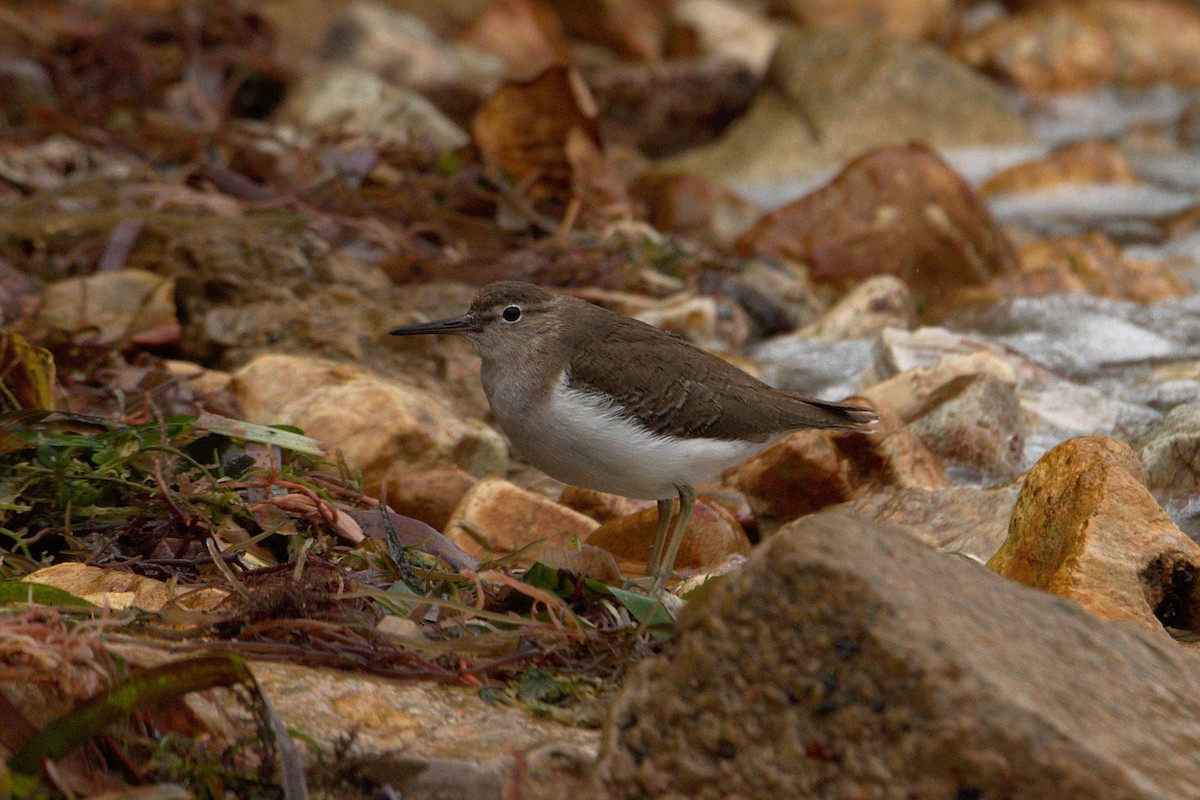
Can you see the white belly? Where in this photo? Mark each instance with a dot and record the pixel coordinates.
(580, 439)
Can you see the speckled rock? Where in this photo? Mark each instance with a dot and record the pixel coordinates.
(1085, 527)
(849, 660)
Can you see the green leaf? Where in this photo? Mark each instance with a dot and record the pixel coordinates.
(23, 592)
(647, 611)
(281, 436)
(550, 580)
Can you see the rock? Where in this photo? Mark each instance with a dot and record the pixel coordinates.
(601, 506)
(1091, 263)
(497, 518)
(957, 519)
(551, 772)
(975, 426)
(912, 19)
(830, 96)
(727, 30)
(340, 102)
(585, 561)
(429, 495)
(826, 369)
(633, 30)
(907, 394)
(713, 535)
(1089, 161)
(848, 660)
(694, 207)
(1085, 527)
(110, 588)
(875, 304)
(382, 428)
(712, 323)
(1169, 451)
(810, 470)
(899, 211)
(110, 307)
(1081, 44)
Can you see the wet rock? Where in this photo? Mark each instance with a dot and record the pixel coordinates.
(830, 96)
(1089, 161)
(344, 102)
(713, 535)
(899, 211)
(849, 660)
(1085, 527)
(957, 519)
(497, 518)
(1091, 263)
(382, 428)
(429, 495)
(110, 307)
(875, 304)
(1082, 44)
(725, 29)
(912, 19)
(694, 207)
(810, 470)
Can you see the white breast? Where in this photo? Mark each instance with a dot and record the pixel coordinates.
(580, 438)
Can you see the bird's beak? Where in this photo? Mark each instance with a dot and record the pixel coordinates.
(464, 324)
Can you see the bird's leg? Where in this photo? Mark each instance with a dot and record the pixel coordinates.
(687, 501)
(665, 509)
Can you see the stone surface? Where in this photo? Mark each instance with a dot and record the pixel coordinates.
(339, 101)
(601, 506)
(110, 307)
(1085, 527)
(873, 305)
(912, 19)
(713, 535)
(848, 660)
(110, 588)
(383, 428)
(830, 96)
(497, 518)
(727, 29)
(1169, 451)
(975, 426)
(695, 207)
(429, 495)
(1089, 161)
(900, 211)
(810, 470)
(907, 394)
(1082, 44)
(957, 519)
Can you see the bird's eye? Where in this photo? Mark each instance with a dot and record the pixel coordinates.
(511, 314)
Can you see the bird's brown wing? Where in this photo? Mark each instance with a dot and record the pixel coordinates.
(674, 388)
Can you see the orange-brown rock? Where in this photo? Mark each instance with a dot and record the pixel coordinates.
(912, 19)
(897, 210)
(497, 518)
(430, 495)
(1082, 44)
(1085, 527)
(713, 535)
(1091, 263)
(696, 207)
(810, 470)
(601, 506)
(585, 560)
(1090, 161)
(111, 588)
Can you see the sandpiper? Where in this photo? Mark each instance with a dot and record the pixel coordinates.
(606, 402)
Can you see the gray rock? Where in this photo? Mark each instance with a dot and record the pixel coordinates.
(831, 370)
(849, 660)
(832, 95)
(1169, 451)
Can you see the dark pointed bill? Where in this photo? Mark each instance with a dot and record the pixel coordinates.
(463, 324)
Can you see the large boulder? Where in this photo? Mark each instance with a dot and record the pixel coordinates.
(849, 660)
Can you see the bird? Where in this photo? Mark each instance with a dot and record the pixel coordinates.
(603, 401)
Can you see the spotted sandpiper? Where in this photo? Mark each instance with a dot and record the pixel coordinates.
(603, 401)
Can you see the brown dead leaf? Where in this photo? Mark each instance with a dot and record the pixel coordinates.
(27, 374)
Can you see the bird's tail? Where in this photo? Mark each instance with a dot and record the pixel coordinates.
(810, 412)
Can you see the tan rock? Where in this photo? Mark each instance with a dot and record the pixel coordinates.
(1089, 161)
(695, 207)
(810, 470)
(975, 426)
(382, 427)
(847, 660)
(726, 29)
(912, 19)
(880, 302)
(601, 506)
(110, 588)
(713, 535)
(900, 211)
(110, 307)
(585, 560)
(1086, 528)
(906, 393)
(430, 495)
(1082, 44)
(497, 518)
